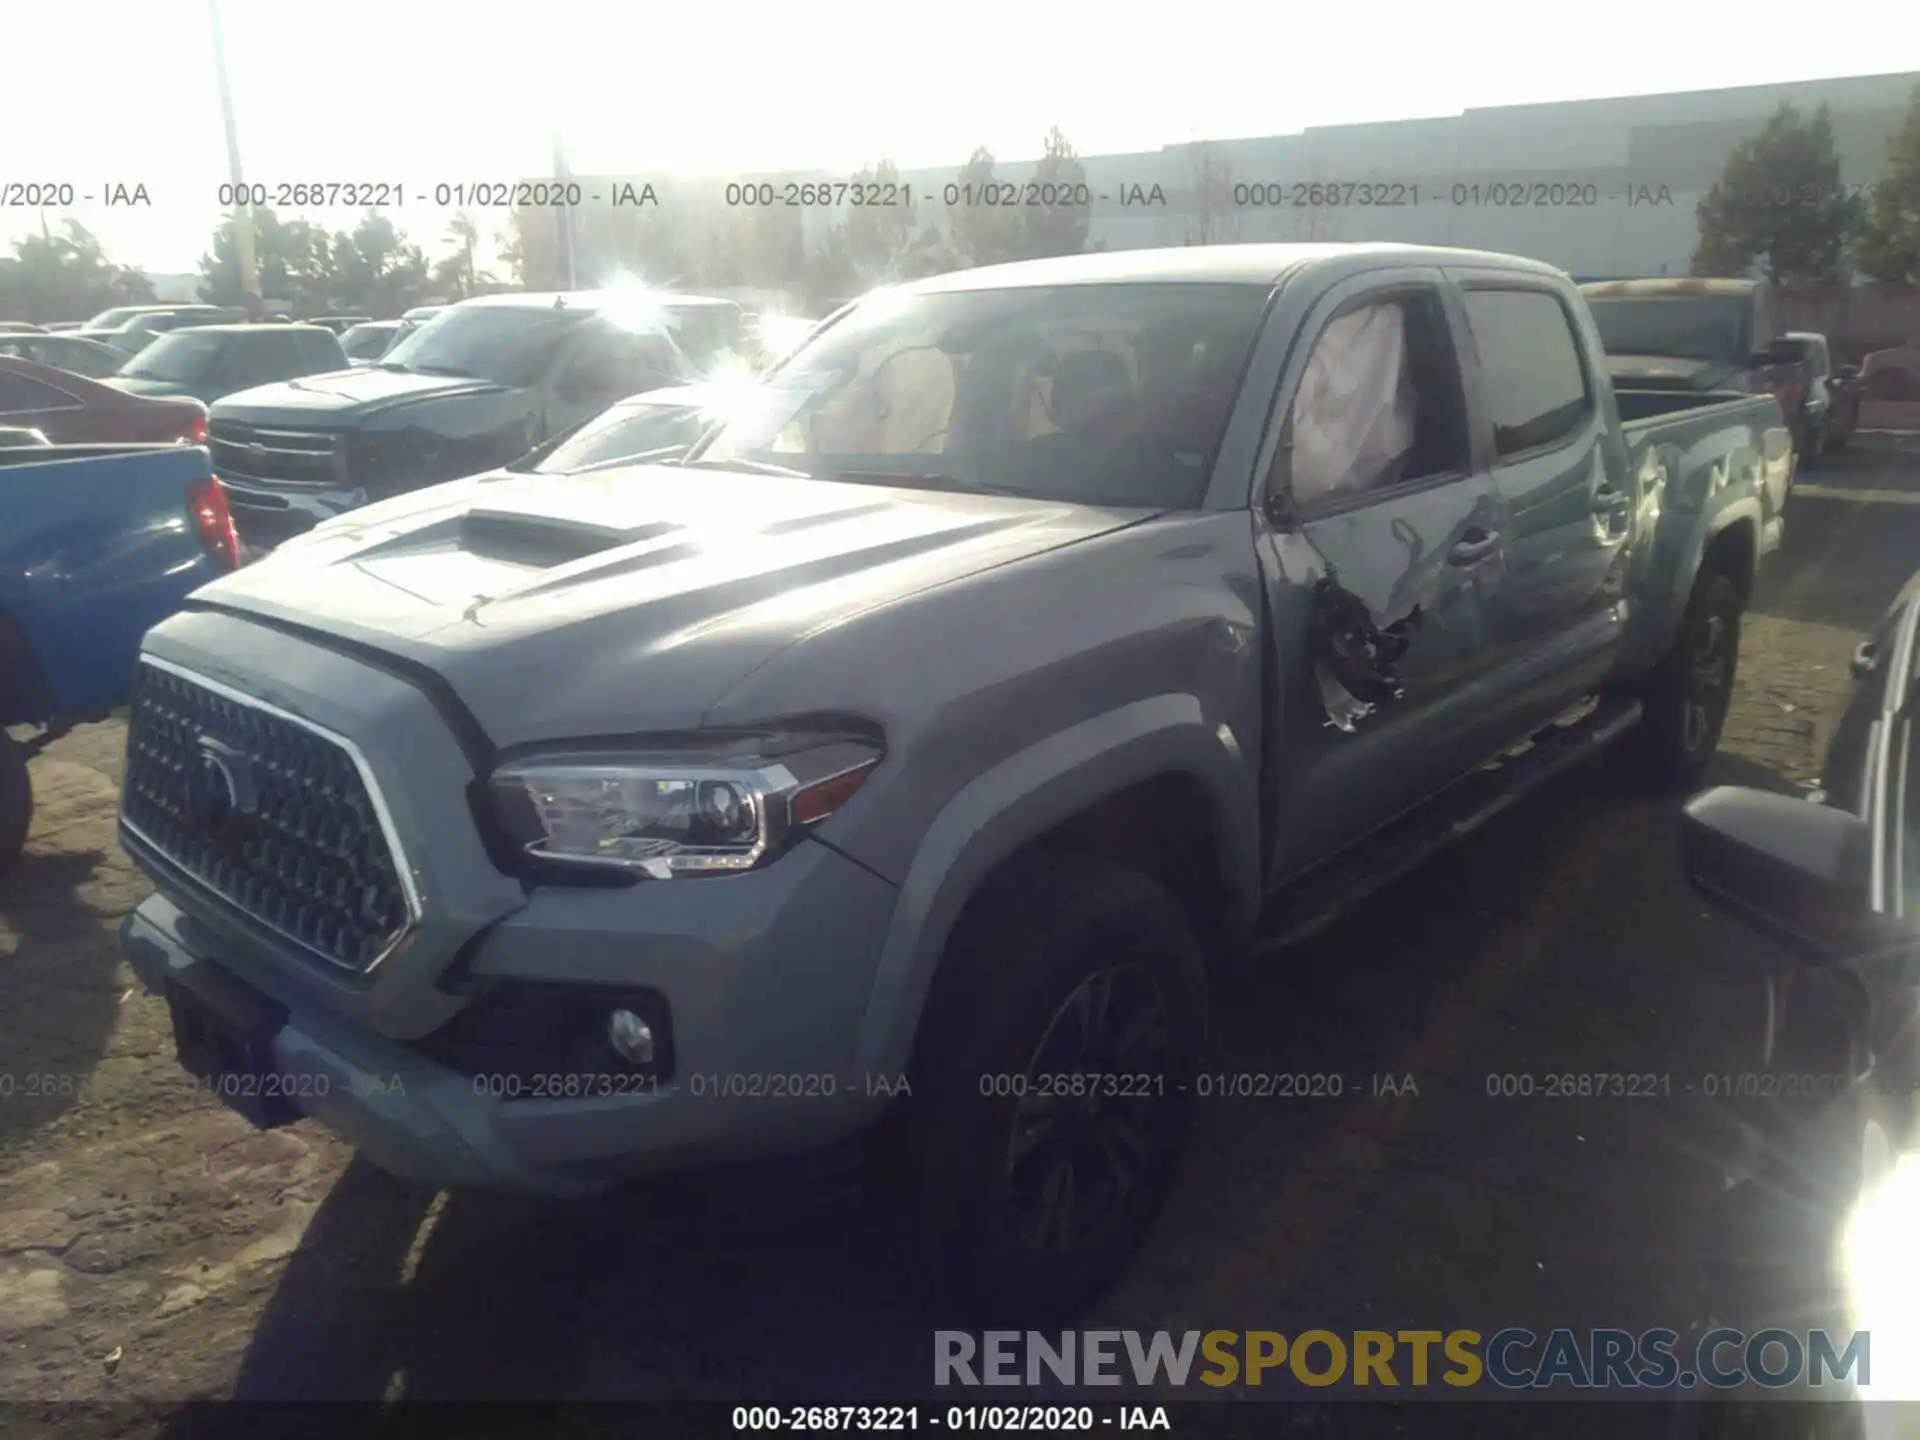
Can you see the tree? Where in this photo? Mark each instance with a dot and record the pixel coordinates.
(295, 261)
(379, 271)
(1888, 249)
(1211, 216)
(879, 238)
(983, 231)
(532, 249)
(831, 273)
(66, 275)
(1058, 225)
(1779, 205)
(464, 233)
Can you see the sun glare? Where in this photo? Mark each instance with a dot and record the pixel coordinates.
(1882, 1258)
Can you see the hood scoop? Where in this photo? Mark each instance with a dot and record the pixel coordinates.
(544, 541)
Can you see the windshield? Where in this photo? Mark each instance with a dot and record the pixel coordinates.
(1103, 394)
(183, 356)
(1687, 327)
(112, 319)
(627, 430)
(507, 344)
(367, 342)
(706, 334)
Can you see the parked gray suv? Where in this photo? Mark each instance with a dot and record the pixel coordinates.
(908, 765)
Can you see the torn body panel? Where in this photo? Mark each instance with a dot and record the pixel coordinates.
(1355, 660)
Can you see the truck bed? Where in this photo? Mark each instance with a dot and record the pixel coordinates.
(1724, 454)
(97, 543)
(1639, 407)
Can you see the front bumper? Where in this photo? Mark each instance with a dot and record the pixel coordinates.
(765, 976)
(267, 515)
(762, 1064)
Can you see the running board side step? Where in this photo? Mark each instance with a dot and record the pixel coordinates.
(1327, 891)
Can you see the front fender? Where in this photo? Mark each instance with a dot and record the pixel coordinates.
(1029, 793)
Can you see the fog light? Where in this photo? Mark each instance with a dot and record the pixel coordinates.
(631, 1037)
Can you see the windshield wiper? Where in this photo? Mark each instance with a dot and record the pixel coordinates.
(752, 467)
(454, 370)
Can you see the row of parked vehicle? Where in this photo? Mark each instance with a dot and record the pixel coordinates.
(1700, 335)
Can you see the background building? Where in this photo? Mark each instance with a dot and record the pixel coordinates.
(1597, 187)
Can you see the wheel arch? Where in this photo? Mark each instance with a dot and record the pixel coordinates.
(1150, 785)
(25, 697)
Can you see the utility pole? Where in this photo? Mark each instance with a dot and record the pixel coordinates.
(564, 213)
(242, 211)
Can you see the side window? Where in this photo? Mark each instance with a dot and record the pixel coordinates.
(1378, 405)
(18, 393)
(1531, 378)
(318, 353)
(265, 357)
(609, 364)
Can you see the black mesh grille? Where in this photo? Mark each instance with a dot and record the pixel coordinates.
(313, 864)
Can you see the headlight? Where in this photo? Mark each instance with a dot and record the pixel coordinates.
(715, 808)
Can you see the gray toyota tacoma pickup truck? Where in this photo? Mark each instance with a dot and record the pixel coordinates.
(1039, 644)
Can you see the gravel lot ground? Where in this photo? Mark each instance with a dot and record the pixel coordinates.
(153, 1247)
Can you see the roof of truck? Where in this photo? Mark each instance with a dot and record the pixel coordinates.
(1674, 285)
(588, 300)
(1250, 264)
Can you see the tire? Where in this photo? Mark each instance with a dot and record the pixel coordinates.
(1686, 698)
(1040, 951)
(1814, 447)
(16, 801)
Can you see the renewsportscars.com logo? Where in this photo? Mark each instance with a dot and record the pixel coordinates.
(1513, 1359)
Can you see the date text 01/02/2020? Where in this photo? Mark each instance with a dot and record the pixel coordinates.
(69, 1086)
(63, 194)
(1403, 194)
(1070, 1419)
(446, 194)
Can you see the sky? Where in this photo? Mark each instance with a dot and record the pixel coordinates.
(422, 92)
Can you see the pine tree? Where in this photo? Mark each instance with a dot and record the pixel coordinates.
(1779, 205)
(1889, 245)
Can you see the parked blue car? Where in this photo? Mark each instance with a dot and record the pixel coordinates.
(97, 544)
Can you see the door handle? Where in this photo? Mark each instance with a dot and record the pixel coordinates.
(1475, 545)
(1609, 501)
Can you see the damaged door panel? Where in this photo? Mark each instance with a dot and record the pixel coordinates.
(1561, 471)
(1385, 560)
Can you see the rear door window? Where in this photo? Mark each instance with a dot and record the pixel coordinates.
(319, 353)
(265, 356)
(1532, 382)
(610, 363)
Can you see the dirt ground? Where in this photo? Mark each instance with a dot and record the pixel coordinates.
(153, 1247)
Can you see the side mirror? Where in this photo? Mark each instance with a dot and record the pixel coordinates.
(1798, 871)
(1848, 372)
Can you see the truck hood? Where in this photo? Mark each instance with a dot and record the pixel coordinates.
(631, 600)
(345, 397)
(1669, 372)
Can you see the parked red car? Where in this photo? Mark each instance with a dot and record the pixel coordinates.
(70, 409)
